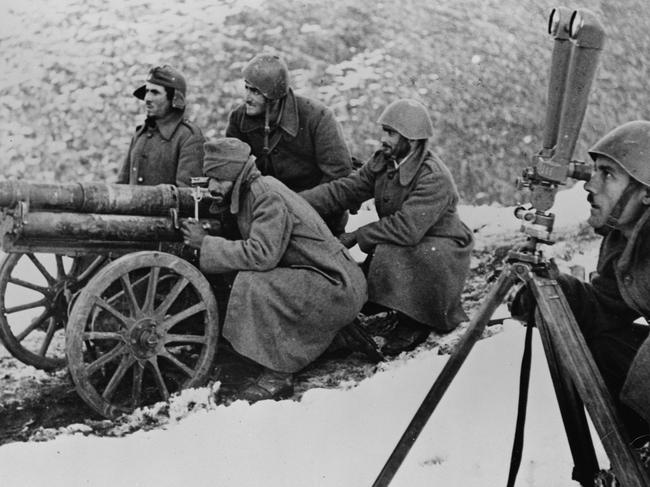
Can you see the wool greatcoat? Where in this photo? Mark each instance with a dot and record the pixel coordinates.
(296, 284)
(606, 309)
(419, 248)
(307, 147)
(164, 151)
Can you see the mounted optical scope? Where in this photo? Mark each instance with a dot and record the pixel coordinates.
(578, 39)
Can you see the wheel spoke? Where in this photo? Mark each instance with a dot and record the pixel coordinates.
(60, 271)
(136, 390)
(90, 270)
(33, 325)
(120, 294)
(28, 285)
(173, 338)
(177, 362)
(147, 307)
(102, 335)
(51, 328)
(108, 308)
(106, 358)
(118, 375)
(186, 313)
(160, 381)
(172, 296)
(25, 306)
(48, 277)
(128, 289)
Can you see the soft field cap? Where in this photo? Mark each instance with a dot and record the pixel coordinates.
(224, 158)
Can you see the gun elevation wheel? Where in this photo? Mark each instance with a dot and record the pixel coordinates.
(144, 327)
(35, 294)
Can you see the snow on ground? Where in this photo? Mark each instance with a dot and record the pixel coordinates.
(342, 437)
(332, 438)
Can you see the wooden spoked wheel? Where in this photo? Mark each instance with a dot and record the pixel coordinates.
(35, 295)
(145, 326)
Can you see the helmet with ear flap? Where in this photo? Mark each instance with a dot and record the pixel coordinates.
(269, 74)
(169, 78)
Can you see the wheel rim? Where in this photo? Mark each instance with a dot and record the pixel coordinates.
(143, 328)
(35, 293)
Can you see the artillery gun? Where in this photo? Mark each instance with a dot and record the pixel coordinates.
(96, 276)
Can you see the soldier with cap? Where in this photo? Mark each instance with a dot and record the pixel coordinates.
(296, 285)
(167, 148)
(608, 308)
(418, 250)
(295, 139)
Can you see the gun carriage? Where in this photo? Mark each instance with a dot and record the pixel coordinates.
(96, 276)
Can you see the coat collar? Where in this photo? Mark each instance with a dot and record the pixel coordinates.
(289, 120)
(248, 174)
(640, 234)
(166, 125)
(408, 169)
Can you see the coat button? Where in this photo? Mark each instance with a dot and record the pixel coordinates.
(386, 198)
(390, 175)
(627, 279)
(140, 179)
(275, 151)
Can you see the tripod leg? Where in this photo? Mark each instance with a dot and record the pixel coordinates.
(573, 414)
(478, 323)
(577, 361)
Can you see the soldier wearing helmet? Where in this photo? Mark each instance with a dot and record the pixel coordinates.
(167, 148)
(419, 249)
(618, 294)
(295, 139)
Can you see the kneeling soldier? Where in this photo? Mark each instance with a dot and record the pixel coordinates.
(419, 250)
(296, 284)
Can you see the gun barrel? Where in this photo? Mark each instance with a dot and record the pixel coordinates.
(102, 198)
(94, 226)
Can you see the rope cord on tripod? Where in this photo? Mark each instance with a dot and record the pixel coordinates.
(524, 380)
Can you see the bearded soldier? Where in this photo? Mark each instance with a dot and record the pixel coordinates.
(295, 139)
(167, 148)
(296, 285)
(608, 308)
(418, 250)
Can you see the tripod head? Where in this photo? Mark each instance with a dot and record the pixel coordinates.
(578, 39)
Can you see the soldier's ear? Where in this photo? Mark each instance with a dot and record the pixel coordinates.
(646, 196)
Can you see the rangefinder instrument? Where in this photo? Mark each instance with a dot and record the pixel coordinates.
(578, 39)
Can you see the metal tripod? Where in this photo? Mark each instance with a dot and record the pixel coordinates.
(578, 383)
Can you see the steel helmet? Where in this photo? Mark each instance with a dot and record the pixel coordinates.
(170, 78)
(269, 74)
(629, 146)
(408, 117)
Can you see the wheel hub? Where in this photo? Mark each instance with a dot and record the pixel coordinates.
(145, 339)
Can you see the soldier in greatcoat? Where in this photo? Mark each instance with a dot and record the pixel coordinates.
(296, 285)
(294, 138)
(419, 249)
(608, 307)
(167, 148)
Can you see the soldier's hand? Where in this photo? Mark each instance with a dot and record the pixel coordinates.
(349, 240)
(522, 305)
(193, 233)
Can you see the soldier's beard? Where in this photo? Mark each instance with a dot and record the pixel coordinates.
(218, 206)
